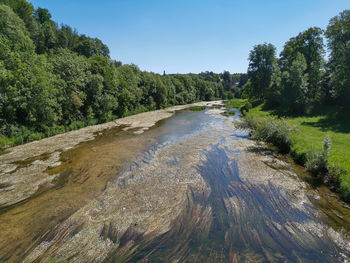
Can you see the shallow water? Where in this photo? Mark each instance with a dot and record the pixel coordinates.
(190, 189)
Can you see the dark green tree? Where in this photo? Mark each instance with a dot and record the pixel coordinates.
(338, 35)
(310, 44)
(261, 60)
(294, 86)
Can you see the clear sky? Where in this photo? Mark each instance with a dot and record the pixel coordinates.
(181, 36)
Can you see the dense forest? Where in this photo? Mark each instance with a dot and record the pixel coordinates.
(301, 77)
(53, 80)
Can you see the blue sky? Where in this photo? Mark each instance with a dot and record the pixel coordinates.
(181, 36)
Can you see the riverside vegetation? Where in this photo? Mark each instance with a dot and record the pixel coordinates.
(54, 80)
(301, 100)
(311, 139)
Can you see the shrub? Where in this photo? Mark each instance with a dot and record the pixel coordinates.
(228, 113)
(270, 130)
(197, 108)
(317, 162)
(246, 107)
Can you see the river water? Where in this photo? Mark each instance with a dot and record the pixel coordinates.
(191, 189)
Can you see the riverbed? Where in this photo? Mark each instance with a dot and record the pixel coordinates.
(183, 187)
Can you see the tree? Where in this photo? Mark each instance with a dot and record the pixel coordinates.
(88, 47)
(227, 80)
(273, 93)
(28, 94)
(294, 83)
(261, 60)
(42, 15)
(310, 44)
(24, 10)
(102, 89)
(52, 78)
(160, 96)
(13, 31)
(338, 35)
(72, 71)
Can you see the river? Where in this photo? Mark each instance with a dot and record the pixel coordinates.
(192, 188)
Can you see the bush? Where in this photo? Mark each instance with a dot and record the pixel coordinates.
(270, 130)
(317, 163)
(227, 113)
(197, 108)
(246, 107)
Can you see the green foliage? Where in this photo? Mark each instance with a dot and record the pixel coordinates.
(13, 33)
(88, 47)
(318, 161)
(242, 104)
(54, 80)
(268, 129)
(299, 82)
(228, 113)
(236, 103)
(310, 44)
(338, 34)
(307, 139)
(197, 108)
(246, 107)
(261, 60)
(295, 86)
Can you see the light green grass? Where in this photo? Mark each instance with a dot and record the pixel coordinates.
(312, 130)
(236, 103)
(197, 108)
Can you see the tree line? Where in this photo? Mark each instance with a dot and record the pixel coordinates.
(53, 80)
(301, 76)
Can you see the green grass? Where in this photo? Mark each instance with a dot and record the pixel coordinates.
(236, 103)
(197, 108)
(312, 129)
(243, 105)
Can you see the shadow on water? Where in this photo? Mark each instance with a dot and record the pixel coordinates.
(236, 222)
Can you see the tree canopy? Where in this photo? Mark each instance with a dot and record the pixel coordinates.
(53, 79)
(301, 76)
(261, 60)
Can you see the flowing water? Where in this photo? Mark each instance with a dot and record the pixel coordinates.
(190, 189)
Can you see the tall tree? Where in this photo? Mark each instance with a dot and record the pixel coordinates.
(310, 44)
(273, 93)
(338, 34)
(261, 60)
(294, 83)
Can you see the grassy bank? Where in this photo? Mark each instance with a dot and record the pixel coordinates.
(304, 138)
(243, 105)
(307, 140)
